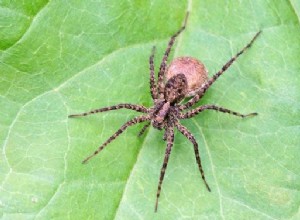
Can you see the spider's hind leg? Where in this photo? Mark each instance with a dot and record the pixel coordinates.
(170, 141)
(183, 130)
(193, 112)
(133, 121)
(225, 110)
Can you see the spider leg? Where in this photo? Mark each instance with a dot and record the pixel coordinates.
(170, 140)
(142, 131)
(153, 86)
(191, 138)
(133, 121)
(165, 135)
(196, 111)
(163, 64)
(137, 108)
(206, 85)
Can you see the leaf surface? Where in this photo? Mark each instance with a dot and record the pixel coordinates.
(63, 58)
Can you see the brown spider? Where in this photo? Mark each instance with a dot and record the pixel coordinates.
(167, 110)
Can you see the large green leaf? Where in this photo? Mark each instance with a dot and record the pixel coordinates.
(60, 58)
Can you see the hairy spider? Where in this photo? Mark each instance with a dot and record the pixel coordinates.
(185, 76)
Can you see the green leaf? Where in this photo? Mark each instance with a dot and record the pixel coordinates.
(60, 58)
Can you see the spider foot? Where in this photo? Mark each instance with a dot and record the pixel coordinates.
(85, 161)
(156, 205)
(89, 157)
(207, 186)
(74, 116)
(251, 114)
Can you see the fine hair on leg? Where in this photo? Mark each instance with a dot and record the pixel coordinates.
(137, 108)
(170, 141)
(193, 112)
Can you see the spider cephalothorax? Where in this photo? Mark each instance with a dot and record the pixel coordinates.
(166, 111)
(184, 77)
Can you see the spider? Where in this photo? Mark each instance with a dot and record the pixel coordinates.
(172, 86)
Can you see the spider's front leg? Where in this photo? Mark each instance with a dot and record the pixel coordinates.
(163, 65)
(153, 86)
(206, 85)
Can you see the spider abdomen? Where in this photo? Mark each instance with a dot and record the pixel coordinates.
(194, 71)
